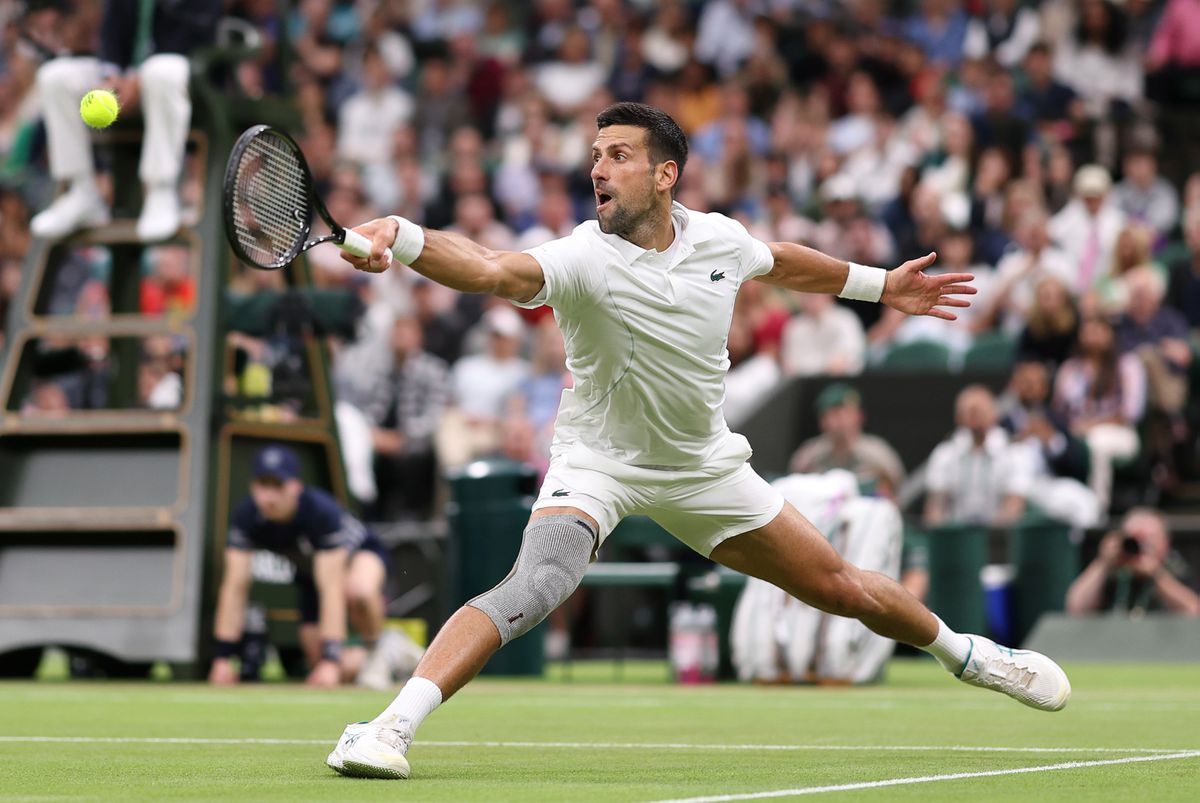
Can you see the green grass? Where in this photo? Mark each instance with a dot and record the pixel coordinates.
(1116, 712)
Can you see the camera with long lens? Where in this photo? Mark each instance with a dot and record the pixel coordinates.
(1130, 545)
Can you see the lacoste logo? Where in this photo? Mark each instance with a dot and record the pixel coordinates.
(561, 492)
(512, 619)
(716, 277)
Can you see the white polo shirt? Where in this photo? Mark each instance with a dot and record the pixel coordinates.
(645, 336)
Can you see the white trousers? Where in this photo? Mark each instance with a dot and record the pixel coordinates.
(166, 111)
(1106, 444)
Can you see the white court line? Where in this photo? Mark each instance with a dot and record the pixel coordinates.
(847, 787)
(603, 745)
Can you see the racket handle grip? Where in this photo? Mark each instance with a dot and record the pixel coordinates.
(358, 245)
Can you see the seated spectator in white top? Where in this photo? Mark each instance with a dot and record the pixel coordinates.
(1087, 228)
(570, 81)
(368, 120)
(1144, 195)
(555, 218)
(823, 338)
(976, 476)
(480, 384)
(1019, 273)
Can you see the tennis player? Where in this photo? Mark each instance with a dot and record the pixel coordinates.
(644, 297)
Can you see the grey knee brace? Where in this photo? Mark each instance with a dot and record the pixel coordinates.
(555, 552)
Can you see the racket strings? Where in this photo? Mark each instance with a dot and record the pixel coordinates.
(271, 202)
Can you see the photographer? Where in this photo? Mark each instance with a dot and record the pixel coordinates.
(1134, 571)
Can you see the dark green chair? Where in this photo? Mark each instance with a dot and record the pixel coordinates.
(991, 351)
(920, 355)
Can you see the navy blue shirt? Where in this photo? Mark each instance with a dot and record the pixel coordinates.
(319, 523)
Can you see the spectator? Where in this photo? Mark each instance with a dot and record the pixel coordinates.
(531, 410)
(1051, 102)
(666, 44)
(725, 34)
(439, 110)
(1135, 571)
(976, 476)
(1087, 227)
(1176, 42)
(555, 219)
(571, 80)
(1102, 395)
(1132, 250)
(940, 29)
(170, 289)
(160, 384)
(1052, 325)
(480, 384)
(1098, 60)
(1058, 460)
(153, 57)
(1000, 125)
(823, 338)
(402, 400)
(1158, 335)
(368, 120)
(1144, 195)
(842, 444)
(753, 346)
(1005, 31)
(1021, 272)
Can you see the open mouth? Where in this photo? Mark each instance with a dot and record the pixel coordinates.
(602, 199)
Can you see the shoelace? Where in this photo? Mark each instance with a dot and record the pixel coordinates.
(394, 739)
(1002, 674)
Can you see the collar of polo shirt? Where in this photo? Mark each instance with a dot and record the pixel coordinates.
(631, 252)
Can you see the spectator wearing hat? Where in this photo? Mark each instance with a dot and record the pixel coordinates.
(1088, 226)
(480, 384)
(843, 444)
(341, 569)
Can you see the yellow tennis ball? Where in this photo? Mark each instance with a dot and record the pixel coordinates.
(99, 108)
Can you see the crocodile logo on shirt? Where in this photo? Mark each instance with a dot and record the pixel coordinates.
(561, 492)
(716, 276)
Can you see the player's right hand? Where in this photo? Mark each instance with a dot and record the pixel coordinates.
(382, 233)
(222, 673)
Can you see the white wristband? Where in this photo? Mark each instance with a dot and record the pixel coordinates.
(864, 283)
(409, 242)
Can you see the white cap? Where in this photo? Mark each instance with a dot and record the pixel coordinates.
(1092, 181)
(503, 321)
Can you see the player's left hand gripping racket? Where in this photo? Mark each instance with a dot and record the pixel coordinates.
(270, 200)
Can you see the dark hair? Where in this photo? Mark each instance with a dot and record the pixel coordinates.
(664, 137)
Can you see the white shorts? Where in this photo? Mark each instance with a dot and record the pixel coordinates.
(698, 507)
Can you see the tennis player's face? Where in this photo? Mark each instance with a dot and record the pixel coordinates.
(623, 178)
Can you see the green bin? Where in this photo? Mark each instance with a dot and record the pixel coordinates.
(490, 505)
(1046, 562)
(957, 554)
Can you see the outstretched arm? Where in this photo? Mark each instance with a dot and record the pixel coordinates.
(455, 261)
(907, 288)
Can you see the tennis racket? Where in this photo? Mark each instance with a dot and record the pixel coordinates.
(269, 203)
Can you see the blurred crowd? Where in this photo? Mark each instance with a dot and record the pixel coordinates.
(1044, 146)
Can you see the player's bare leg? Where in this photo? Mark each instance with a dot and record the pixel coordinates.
(459, 651)
(793, 555)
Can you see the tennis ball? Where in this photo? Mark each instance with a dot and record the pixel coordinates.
(99, 108)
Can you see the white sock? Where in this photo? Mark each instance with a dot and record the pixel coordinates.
(949, 648)
(415, 701)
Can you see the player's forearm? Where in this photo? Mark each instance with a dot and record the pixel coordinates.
(231, 612)
(806, 270)
(458, 262)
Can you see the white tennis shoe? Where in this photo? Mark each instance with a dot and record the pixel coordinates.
(350, 735)
(372, 752)
(1026, 676)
